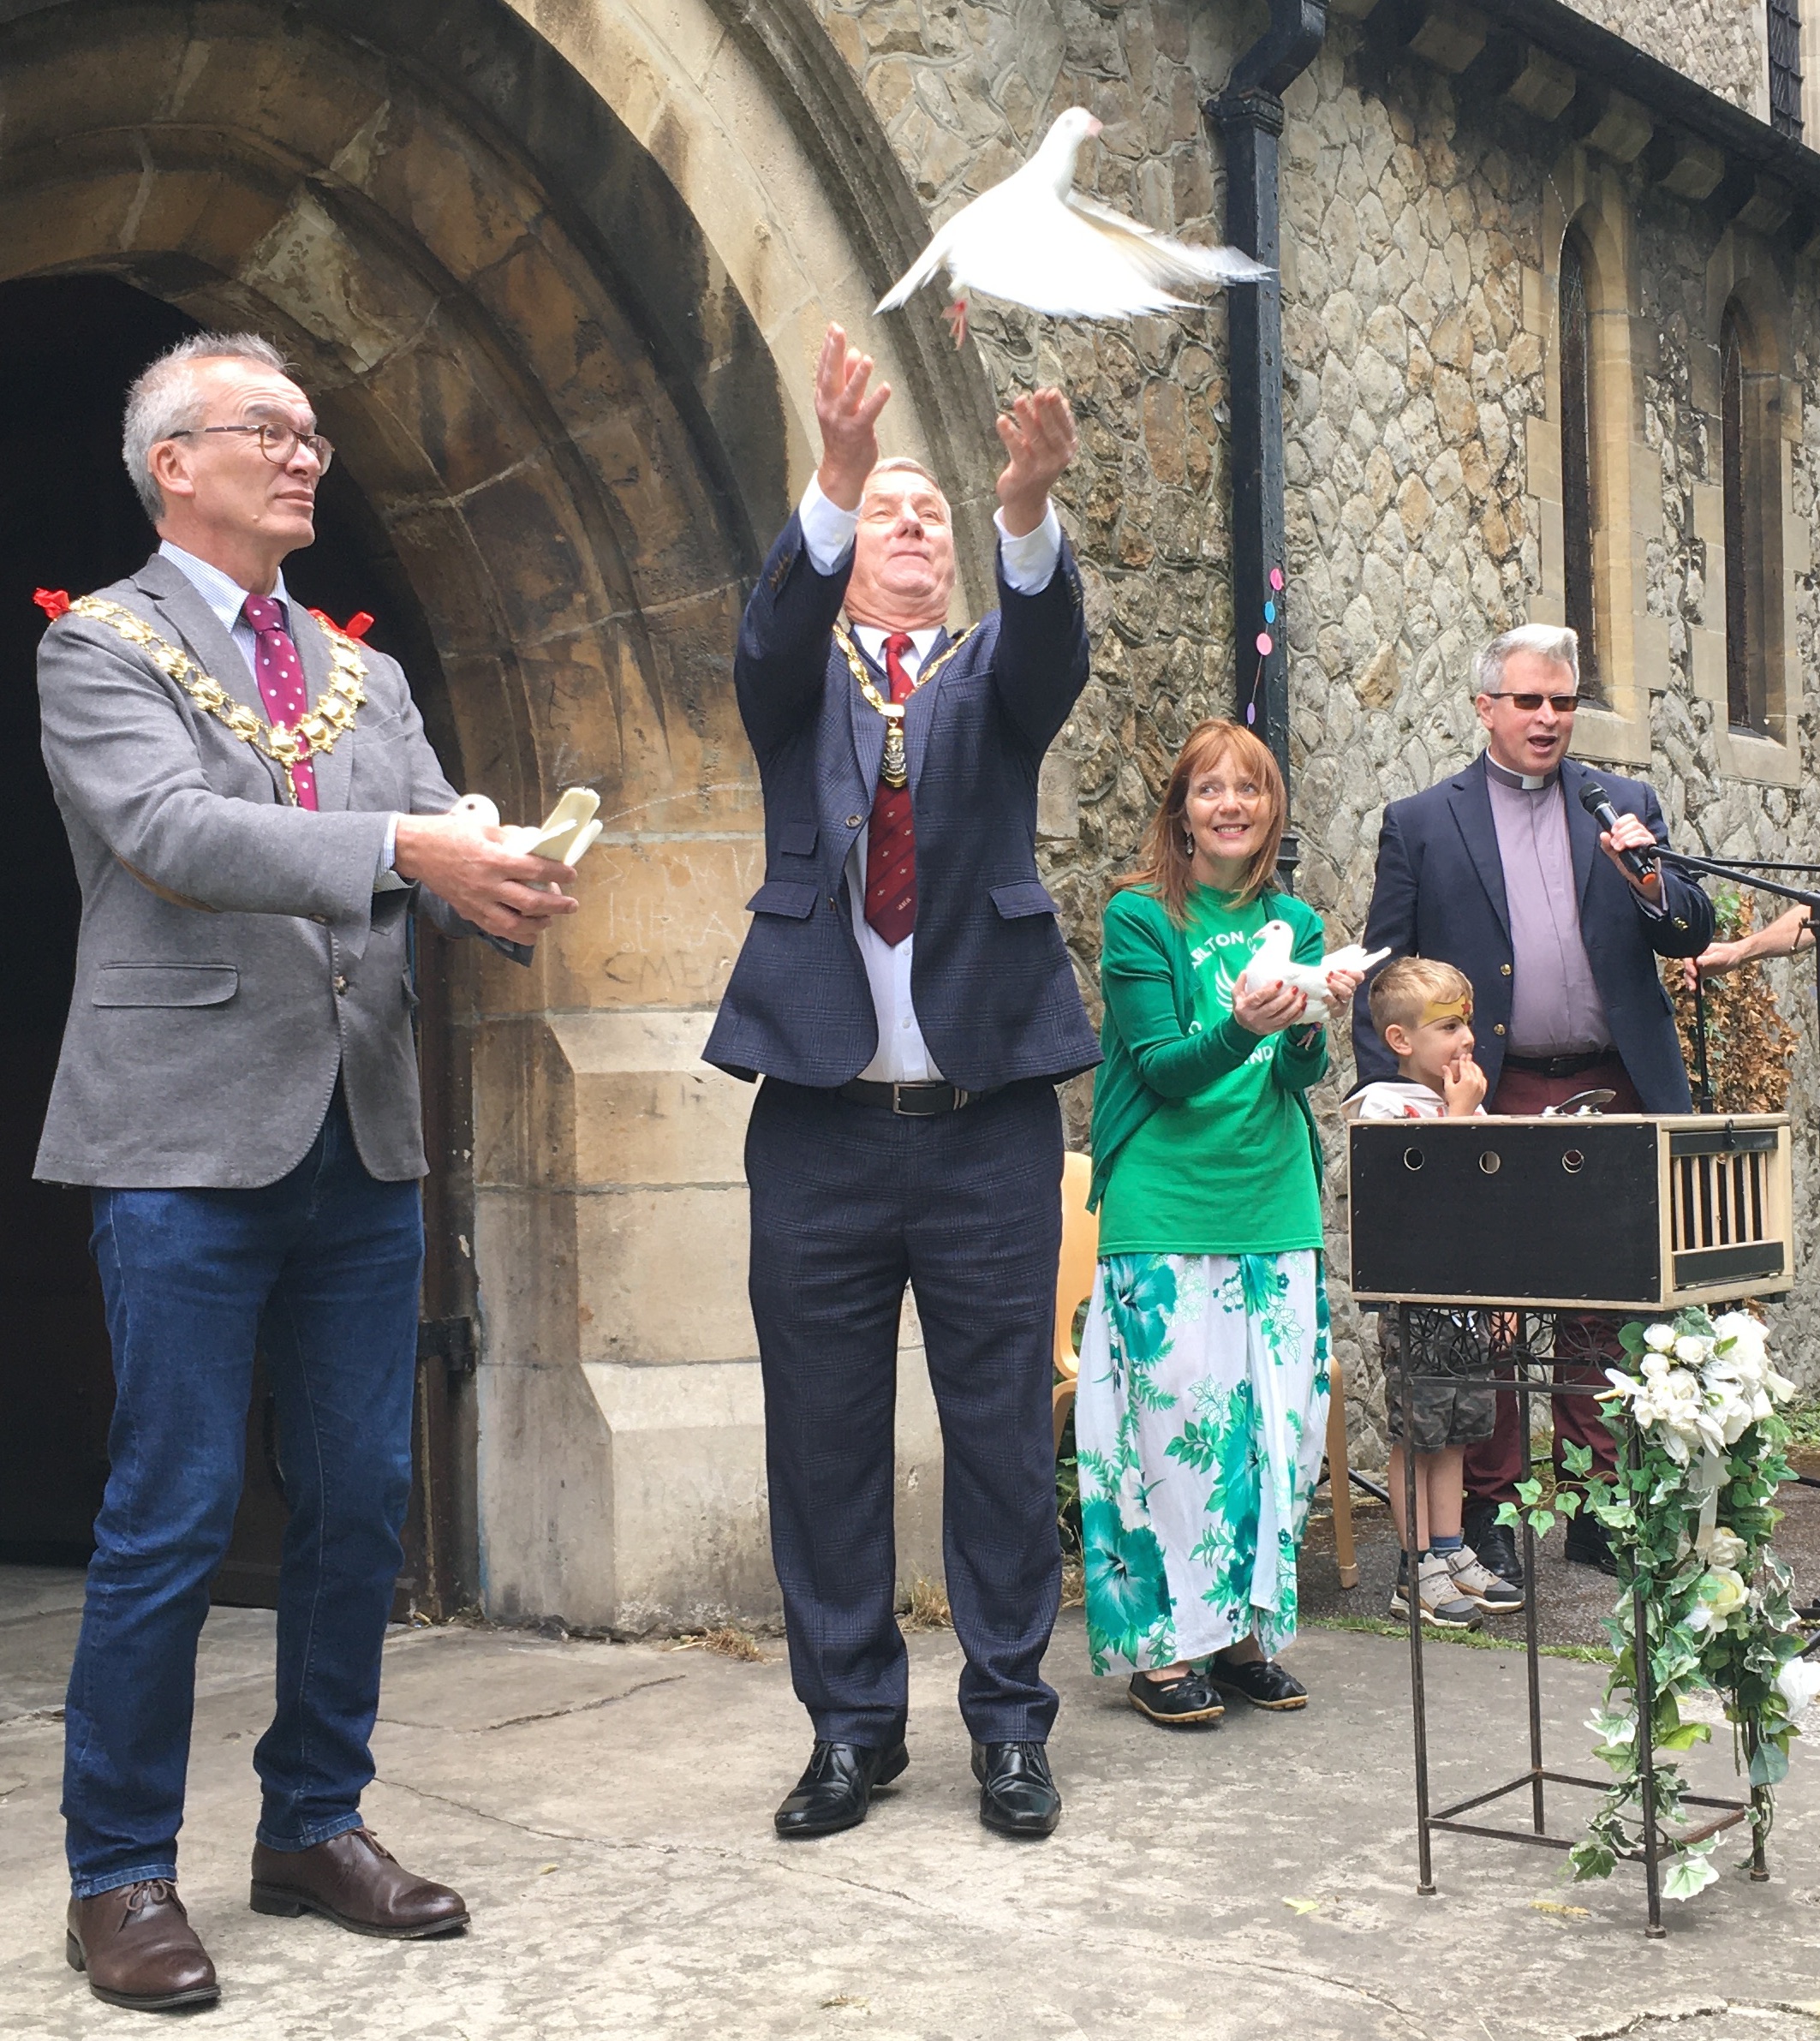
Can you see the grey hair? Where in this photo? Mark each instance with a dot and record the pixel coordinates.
(165, 400)
(1546, 641)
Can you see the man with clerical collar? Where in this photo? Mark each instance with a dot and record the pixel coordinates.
(906, 995)
(1501, 871)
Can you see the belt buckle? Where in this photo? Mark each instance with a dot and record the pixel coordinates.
(906, 1112)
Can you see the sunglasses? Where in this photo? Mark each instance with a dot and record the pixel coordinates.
(1563, 705)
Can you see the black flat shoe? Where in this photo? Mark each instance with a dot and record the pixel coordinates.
(837, 1789)
(1017, 1796)
(1496, 1544)
(1183, 1701)
(1261, 1681)
(1589, 1546)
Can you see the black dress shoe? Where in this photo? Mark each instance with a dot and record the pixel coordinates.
(1017, 1796)
(1589, 1546)
(837, 1789)
(1496, 1544)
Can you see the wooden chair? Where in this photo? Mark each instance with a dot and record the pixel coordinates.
(1074, 1282)
(1074, 1279)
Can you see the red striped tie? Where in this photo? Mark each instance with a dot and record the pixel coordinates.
(890, 842)
(280, 672)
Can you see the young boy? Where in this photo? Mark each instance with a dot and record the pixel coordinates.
(1423, 1010)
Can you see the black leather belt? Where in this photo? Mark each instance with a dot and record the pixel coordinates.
(912, 1101)
(1560, 1066)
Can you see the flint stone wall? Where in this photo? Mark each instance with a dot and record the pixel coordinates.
(1410, 377)
(1721, 44)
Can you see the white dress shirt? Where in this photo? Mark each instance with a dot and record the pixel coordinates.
(228, 600)
(903, 1056)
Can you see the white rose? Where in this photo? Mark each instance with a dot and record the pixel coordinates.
(1660, 1337)
(1693, 1349)
(1798, 1683)
(1727, 1549)
(1722, 1591)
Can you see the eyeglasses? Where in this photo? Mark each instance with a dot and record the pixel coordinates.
(278, 443)
(1563, 705)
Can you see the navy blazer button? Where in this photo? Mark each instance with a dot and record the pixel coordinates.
(1497, 1027)
(854, 821)
(834, 903)
(1505, 969)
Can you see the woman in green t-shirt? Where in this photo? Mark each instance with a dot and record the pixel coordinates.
(1203, 1386)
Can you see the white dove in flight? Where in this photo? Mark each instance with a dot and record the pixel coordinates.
(1035, 240)
(1271, 962)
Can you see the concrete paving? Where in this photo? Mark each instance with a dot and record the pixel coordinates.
(605, 1808)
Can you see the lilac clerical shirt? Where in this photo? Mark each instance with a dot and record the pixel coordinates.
(1554, 1009)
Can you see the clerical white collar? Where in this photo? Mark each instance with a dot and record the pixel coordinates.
(1532, 783)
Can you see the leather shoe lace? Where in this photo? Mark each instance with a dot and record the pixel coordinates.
(137, 1946)
(355, 1881)
(1017, 1796)
(837, 1788)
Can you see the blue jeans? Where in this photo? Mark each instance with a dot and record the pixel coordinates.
(322, 1271)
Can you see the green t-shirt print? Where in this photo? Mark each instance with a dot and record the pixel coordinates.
(1226, 1171)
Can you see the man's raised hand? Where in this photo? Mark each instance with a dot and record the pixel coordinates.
(848, 418)
(466, 863)
(1040, 441)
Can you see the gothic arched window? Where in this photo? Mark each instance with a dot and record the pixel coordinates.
(1578, 497)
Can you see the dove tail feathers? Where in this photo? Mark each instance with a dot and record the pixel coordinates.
(921, 272)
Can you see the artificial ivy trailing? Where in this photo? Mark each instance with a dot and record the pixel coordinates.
(1690, 1522)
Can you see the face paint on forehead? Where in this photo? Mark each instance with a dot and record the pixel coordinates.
(1440, 1009)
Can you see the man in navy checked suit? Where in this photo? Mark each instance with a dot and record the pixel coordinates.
(905, 993)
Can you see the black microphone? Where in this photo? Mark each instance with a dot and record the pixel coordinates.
(1597, 803)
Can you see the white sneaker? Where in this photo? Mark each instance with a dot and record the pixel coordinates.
(1478, 1583)
(1442, 1604)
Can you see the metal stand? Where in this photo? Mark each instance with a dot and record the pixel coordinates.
(1433, 1337)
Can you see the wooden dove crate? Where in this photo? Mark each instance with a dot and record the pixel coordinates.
(1616, 1212)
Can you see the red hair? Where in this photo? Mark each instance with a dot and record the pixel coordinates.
(1166, 857)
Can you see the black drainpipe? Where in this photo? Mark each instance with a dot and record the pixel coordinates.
(1249, 114)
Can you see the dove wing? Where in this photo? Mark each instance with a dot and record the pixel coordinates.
(1050, 258)
(1169, 264)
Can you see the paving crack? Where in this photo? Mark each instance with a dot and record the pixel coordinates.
(545, 1714)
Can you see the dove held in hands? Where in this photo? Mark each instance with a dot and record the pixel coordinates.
(1035, 240)
(1271, 962)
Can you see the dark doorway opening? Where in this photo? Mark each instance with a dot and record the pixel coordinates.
(69, 520)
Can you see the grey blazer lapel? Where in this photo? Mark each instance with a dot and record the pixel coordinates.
(187, 617)
(1472, 806)
(334, 769)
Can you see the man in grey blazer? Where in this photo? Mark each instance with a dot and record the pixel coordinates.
(254, 812)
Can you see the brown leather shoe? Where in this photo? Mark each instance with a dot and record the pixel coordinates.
(139, 1949)
(352, 1880)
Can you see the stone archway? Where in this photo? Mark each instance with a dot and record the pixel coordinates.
(560, 403)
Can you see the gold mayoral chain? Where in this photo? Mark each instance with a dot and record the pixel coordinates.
(895, 769)
(314, 732)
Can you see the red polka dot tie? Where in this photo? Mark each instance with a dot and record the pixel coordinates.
(280, 672)
(890, 841)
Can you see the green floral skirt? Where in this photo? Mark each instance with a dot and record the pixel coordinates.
(1200, 1423)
